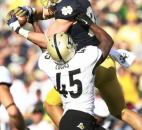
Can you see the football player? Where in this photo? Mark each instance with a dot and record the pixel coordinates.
(15, 116)
(65, 14)
(74, 77)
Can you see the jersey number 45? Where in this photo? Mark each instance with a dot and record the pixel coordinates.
(61, 88)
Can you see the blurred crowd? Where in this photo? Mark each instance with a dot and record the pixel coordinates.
(122, 19)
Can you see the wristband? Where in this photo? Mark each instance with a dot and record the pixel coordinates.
(17, 29)
(113, 52)
(24, 32)
(11, 104)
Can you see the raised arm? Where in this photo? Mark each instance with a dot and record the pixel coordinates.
(105, 40)
(37, 37)
(34, 13)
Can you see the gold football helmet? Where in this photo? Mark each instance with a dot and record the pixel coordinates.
(61, 47)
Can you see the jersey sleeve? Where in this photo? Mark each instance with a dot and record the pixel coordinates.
(99, 55)
(40, 64)
(41, 61)
(67, 9)
(93, 54)
(5, 75)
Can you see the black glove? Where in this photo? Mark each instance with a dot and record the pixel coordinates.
(84, 19)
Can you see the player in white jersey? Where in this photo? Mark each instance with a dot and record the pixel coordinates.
(74, 77)
(15, 116)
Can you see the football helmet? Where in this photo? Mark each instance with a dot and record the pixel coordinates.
(61, 47)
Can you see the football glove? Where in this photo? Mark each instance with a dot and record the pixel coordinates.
(25, 11)
(12, 21)
(10, 14)
(44, 3)
(48, 3)
(84, 19)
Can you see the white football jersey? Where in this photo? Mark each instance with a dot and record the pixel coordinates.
(74, 80)
(5, 76)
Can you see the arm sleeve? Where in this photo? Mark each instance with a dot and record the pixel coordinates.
(93, 54)
(5, 76)
(67, 9)
(41, 61)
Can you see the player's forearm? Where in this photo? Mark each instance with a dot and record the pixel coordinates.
(38, 39)
(55, 112)
(105, 40)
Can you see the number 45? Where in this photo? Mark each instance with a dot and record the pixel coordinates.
(62, 88)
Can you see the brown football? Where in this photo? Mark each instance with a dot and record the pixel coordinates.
(22, 20)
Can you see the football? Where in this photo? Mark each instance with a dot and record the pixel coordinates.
(22, 20)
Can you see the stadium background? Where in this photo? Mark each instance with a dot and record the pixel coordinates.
(122, 19)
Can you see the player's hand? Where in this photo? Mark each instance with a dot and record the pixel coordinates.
(84, 19)
(12, 21)
(25, 11)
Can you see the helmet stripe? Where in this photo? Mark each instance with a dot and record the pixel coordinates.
(56, 47)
